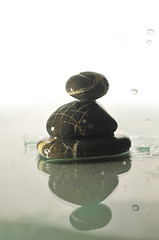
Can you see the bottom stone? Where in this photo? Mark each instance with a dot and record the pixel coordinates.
(58, 148)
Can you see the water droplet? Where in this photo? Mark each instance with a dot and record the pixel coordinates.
(52, 129)
(90, 126)
(124, 163)
(134, 91)
(135, 208)
(84, 121)
(147, 120)
(143, 149)
(149, 42)
(150, 32)
(54, 184)
(46, 151)
(102, 172)
(31, 141)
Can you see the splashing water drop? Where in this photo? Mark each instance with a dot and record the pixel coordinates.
(134, 91)
(149, 42)
(144, 148)
(135, 208)
(150, 32)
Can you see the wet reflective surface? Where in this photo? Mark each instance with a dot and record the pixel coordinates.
(86, 184)
(116, 199)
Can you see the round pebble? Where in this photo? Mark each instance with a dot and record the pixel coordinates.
(56, 148)
(87, 86)
(82, 129)
(80, 119)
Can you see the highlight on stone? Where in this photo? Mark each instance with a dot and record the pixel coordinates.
(87, 86)
(82, 129)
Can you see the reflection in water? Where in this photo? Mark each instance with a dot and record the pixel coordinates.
(87, 184)
(89, 217)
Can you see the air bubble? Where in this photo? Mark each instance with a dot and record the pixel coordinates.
(150, 32)
(135, 208)
(134, 91)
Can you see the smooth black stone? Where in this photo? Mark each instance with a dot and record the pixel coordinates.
(59, 148)
(87, 86)
(81, 120)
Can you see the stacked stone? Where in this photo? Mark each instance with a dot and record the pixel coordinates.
(82, 129)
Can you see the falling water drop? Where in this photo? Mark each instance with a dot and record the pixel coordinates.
(135, 208)
(150, 32)
(134, 91)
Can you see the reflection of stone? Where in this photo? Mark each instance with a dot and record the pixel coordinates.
(91, 217)
(87, 184)
(83, 183)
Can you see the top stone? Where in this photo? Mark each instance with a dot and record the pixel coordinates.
(87, 86)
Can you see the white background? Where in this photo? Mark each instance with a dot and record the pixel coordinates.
(44, 42)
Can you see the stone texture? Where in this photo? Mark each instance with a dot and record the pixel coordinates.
(58, 148)
(81, 120)
(87, 86)
(83, 129)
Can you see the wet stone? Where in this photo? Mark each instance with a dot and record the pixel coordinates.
(83, 129)
(81, 120)
(57, 148)
(87, 86)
